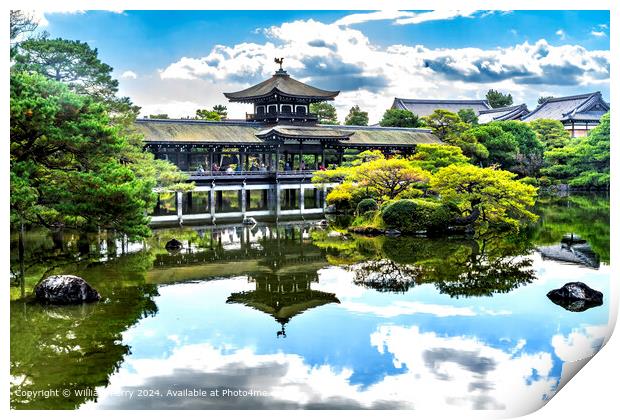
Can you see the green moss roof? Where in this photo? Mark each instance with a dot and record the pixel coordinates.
(198, 131)
(237, 133)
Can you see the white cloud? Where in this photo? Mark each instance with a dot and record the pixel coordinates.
(129, 75)
(561, 34)
(40, 15)
(598, 34)
(435, 15)
(368, 17)
(336, 56)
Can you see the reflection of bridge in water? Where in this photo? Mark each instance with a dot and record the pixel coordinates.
(572, 250)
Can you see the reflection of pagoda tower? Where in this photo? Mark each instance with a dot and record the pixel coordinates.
(283, 296)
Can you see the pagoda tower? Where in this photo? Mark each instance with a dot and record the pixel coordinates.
(282, 99)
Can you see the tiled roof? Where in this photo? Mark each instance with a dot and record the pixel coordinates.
(304, 132)
(283, 84)
(425, 107)
(565, 108)
(236, 133)
(503, 114)
(196, 131)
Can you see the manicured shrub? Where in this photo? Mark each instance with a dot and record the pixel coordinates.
(529, 180)
(410, 216)
(367, 204)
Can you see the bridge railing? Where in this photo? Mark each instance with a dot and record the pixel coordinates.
(254, 174)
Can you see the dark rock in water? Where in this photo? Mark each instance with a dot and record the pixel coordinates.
(576, 297)
(65, 290)
(174, 245)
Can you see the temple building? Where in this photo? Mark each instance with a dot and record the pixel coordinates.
(425, 107)
(280, 135)
(484, 111)
(579, 113)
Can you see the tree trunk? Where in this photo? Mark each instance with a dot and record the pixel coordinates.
(20, 251)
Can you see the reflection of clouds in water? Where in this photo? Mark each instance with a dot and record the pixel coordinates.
(408, 308)
(398, 308)
(580, 343)
(290, 382)
(465, 372)
(441, 372)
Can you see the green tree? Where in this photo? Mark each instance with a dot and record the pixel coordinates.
(326, 113)
(593, 158)
(388, 178)
(378, 178)
(221, 110)
(70, 62)
(432, 157)
(356, 117)
(502, 147)
(400, 118)
(71, 167)
(21, 25)
(550, 133)
(446, 125)
(485, 195)
(543, 99)
(497, 99)
(468, 116)
(159, 116)
(205, 114)
(529, 158)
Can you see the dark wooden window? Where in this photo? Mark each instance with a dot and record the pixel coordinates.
(287, 109)
(301, 110)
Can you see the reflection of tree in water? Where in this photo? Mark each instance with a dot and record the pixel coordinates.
(456, 267)
(385, 275)
(77, 346)
(586, 215)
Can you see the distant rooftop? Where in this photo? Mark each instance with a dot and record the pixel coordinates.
(505, 113)
(425, 107)
(586, 107)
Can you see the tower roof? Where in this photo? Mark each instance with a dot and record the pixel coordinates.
(284, 85)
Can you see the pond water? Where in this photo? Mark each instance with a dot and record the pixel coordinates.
(296, 316)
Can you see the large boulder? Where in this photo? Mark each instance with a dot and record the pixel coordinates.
(65, 290)
(576, 297)
(174, 245)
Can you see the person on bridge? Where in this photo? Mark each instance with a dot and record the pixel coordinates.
(302, 165)
(287, 167)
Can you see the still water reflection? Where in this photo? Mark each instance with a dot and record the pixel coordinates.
(294, 316)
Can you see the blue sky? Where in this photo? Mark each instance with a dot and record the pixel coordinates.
(177, 61)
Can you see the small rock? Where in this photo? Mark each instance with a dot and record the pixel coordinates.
(392, 232)
(576, 297)
(174, 245)
(65, 290)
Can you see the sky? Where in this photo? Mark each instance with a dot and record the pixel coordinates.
(175, 62)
